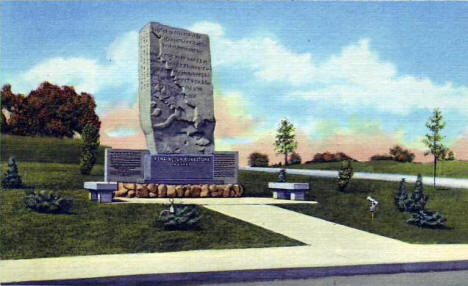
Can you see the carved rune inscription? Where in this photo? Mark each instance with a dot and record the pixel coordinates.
(176, 93)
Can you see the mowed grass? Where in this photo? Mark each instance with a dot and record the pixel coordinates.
(55, 176)
(352, 209)
(454, 169)
(44, 149)
(93, 228)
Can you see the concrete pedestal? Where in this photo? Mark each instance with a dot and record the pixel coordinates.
(288, 191)
(103, 192)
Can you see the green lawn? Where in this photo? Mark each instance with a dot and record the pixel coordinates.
(55, 176)
(352, 209)
(94, 228)
(455, 169)
(43, 149)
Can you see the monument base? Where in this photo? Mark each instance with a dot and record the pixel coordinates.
(139, 166)
(151, 190)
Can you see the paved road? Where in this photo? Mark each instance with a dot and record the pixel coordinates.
(441, 182)
(450, 278)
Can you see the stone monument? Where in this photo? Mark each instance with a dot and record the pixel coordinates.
(175, 91)
(177, 118)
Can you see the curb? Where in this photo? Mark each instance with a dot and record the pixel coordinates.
(257, 275)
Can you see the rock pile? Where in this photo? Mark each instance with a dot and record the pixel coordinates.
(131, 190)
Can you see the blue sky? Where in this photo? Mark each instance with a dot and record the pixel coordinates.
(334, 69)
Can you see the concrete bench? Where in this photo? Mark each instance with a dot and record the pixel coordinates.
(103, 192)
(288, 191)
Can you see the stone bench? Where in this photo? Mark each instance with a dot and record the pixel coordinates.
(288, 191)
(103, 192)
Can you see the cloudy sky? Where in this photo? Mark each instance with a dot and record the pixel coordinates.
(352, 77)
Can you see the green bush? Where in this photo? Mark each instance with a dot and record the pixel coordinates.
(344, 175)
(182, 218)
(257, 159)
(295, 159)
(47, 202)
(11, 178)
(416, 204)
(401, 155)
(330, 157)
(90, 145)
(424, 218)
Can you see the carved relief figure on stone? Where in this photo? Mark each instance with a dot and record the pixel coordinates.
(176, 93)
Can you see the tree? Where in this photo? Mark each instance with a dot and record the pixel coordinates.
(49, 110)
(295, 159)
(90, 145)
(402, 201)
(285, 141)
(344, 175)
(433, 140)
(257, 159)
(418, 198)
(401, 155)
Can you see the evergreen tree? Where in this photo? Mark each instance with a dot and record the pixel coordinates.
(90, 145)
(402, 200)
(285, 142)
(418, 199)
(344, 175)
(12, 179)
(433, 139)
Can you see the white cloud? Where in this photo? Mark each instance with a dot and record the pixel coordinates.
(210, 28)
(269, 60)
(355, 77)
(119, 71)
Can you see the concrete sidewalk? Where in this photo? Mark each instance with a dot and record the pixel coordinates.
(440, 182)
(211, 201)
(331, 249)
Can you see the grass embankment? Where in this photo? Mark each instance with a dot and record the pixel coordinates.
(352, 209)
(44, 149)
(454, 169)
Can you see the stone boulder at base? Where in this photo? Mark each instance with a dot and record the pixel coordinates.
(144, 190)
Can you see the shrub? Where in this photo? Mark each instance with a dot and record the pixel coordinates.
(415, 205)
(401, 155)
(12, 179)
(182, 218)
(330, 157)
(381, 158)
(418, 199)
(397, 153)
(344, 175)
(257, 159)
(424, 218)
(47, 202)
(90, 145)
(295, 158)
(450, 156)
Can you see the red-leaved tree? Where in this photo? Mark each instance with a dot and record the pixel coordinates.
(49, 110)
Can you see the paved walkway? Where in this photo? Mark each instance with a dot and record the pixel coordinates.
(440, 182)
(331, 249)
(212, 201)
